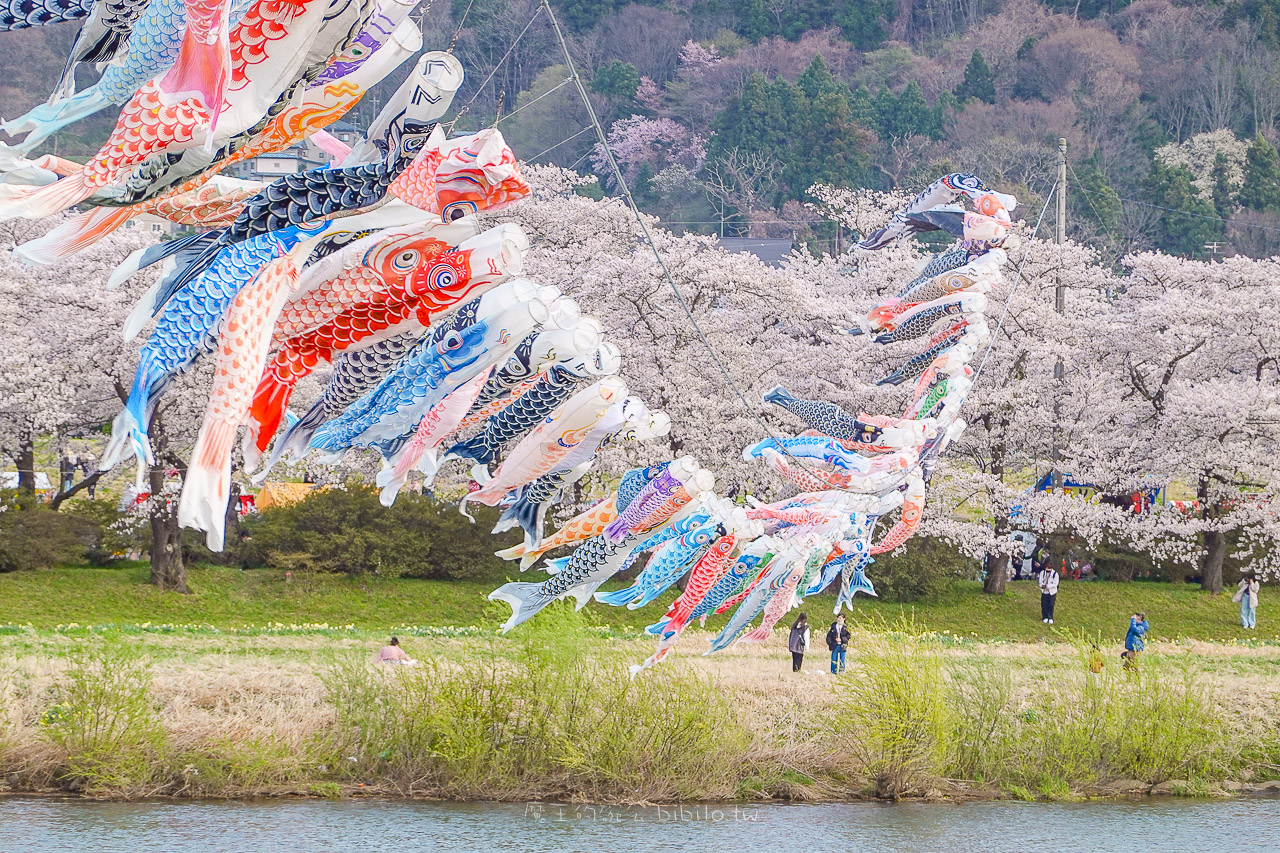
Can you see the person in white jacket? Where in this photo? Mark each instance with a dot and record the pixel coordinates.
(1247, 596)
(1048, 593)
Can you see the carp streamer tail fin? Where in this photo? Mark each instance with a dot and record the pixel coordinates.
(618, 597)
(39, 202)
(208, 482)
(474, 448)
(525, 599)
(295, 439)
(44, 120)
(78, 232)
(528, 515)
(779, 396)
(127, 439)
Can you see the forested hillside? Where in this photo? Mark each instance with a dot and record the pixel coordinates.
(724, 112)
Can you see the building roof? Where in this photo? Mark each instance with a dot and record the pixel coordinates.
(280, 494)
(771, 250)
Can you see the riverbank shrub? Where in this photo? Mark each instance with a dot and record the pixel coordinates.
(239, 767)
(347, 530)
(557, 717)
(32, 536)
(1088, 729)
(105, 721)
(9, 721)
(899, 713)
(922, 570)
(548, 712)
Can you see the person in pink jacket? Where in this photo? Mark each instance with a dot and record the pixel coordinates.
(393, 655)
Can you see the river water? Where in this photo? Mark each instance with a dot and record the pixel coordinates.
(1201, 826)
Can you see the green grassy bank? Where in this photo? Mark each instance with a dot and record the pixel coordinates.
(228, 598)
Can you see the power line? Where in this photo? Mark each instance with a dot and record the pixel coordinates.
(498, 65)
(1008, 301)
(1189, 213)
(1080, 187)
(644, 227)
(586, 129)
(535, 100)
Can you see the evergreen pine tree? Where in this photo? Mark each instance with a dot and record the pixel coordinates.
(1188, 222)
(978, 81)
(618, 80)
(829, 146)
(754, 22)
(817, 80)
(1224, 203)
(1261, 190)
(912, 114)
(755, 121)
(863, 108)
(1093, 198)
(886, 106)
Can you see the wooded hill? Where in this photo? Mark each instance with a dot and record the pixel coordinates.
(724, 112)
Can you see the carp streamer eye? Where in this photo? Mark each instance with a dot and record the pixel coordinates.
(458, 209)
(440, 276)
(452, 340)
(405, 261)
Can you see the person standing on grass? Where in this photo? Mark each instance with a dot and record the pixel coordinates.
(1247, 596)
(1133, 641)
(798, 642)
(1048, 580)
(838, 641)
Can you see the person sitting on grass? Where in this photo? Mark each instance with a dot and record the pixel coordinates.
(1133, 641)
(393, 655)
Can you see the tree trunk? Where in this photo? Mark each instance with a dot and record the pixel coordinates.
(996, 568)
(1215, 548)
(231, 520)
(167, 569)
(995, 563)
(1215, 542)
(27, 466)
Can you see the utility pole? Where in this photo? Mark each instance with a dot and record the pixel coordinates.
(1059, 298)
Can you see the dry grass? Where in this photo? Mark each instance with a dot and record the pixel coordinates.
(247, 716)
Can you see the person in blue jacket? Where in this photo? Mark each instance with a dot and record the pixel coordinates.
(1133, 642)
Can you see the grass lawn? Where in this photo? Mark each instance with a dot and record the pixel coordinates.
(229, 598)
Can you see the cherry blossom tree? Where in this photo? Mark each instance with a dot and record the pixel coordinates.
(65, 370)
(1199, 155)
(58, 365)
(1189, 357)
(759, 321)
(638, 142)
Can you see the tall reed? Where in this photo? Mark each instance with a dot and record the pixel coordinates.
(1082, 729)
(558, 714)
(899, 714)
(106, 722)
